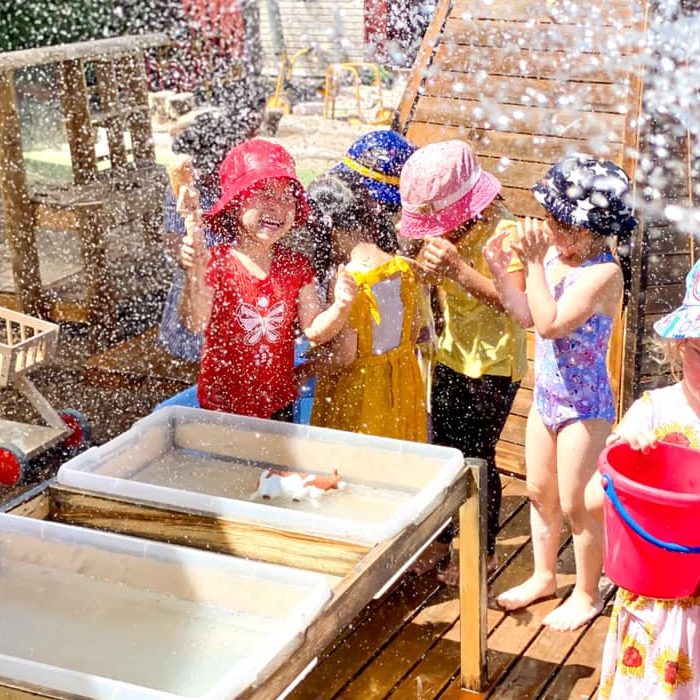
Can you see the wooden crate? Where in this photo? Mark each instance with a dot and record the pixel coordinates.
(25, 342)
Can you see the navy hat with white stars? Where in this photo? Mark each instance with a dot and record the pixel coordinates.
(594, 194)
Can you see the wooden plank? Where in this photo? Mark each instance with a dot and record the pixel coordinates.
(472, 582)
(76, 112)
(94, 48)
(517, 631)
(663, 300)
(514, 173)
(668, 269)
(356, 589)
(510, 457)
(108, 91)
(562, 65)
(535, 36)
(533, 671)
(15, 690)
(550, 94)
(579, 676)
(195, 529)
(616, 13)
(521, 120)
(99, 287)
(521, 202)
(666, 239)
(34, 503)
(523, 147)
(422, 64)
(18, 217)
(347, 660)
(514, 429)
(141, 355)
(135, 94)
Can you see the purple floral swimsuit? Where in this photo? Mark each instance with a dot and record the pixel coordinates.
(571, 376)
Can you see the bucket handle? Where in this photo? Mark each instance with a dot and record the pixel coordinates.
(610, 492)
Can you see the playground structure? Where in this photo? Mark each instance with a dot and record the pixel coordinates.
(337, 73)
(103, 96)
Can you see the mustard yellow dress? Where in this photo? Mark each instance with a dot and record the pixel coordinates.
(380, 393)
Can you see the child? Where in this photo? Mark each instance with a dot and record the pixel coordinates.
(573, 292)
(451, 203)
(207, 140)
(653, 646)
(372, 382)
(249, 293)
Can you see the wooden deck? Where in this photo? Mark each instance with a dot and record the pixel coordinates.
(406, 644)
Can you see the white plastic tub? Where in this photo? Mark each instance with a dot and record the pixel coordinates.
(211, 462)
(106, 616)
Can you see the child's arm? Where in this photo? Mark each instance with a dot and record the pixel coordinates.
(595, 289)
(320, 326)
(442, 258)
(323, 359)
(197, 295)
(510, 285)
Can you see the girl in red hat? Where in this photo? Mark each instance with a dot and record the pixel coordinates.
(249, 293)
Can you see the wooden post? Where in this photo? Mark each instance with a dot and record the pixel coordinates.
(99, 289)
(19, 219)
(109, 105)
(76, 112)
(133, 76)
(472, 580)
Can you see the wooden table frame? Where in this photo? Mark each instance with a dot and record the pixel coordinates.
(362, 572)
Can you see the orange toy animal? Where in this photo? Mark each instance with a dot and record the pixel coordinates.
(278, 483)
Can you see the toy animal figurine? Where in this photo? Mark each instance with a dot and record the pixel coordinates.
(297, 486)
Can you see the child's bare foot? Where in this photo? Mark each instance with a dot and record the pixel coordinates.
(534, 589)
(577, 610)
(430, 558)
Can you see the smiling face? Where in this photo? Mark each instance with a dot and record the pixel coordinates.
(268, 211)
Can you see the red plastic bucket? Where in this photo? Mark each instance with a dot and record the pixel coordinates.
(652, 518)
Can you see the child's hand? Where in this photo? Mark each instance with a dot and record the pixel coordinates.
(643, 441)
(498, 254)
(534, 239)
(440, 257)
(191, 248)
(345, 289)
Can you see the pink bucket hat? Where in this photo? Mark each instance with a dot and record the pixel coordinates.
(442, 187)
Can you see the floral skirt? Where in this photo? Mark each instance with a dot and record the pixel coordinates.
(652, 650)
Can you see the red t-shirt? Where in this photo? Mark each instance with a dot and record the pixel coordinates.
(247, 362)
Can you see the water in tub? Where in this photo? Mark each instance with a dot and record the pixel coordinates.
(64, 618)
(210, 472)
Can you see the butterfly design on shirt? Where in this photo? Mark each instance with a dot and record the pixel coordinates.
(261, 324)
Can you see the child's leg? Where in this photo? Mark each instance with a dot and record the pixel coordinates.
(595, 497)
(578, 447)
(545, 515)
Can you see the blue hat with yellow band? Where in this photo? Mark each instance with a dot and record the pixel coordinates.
(377, 158)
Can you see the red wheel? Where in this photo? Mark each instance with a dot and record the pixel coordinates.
(78, 426)
(13, 465)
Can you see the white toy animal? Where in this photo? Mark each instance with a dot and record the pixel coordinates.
(297, 486)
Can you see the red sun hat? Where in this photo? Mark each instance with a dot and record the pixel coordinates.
(252, 162)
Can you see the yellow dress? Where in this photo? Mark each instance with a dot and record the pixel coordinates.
(378, 394)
